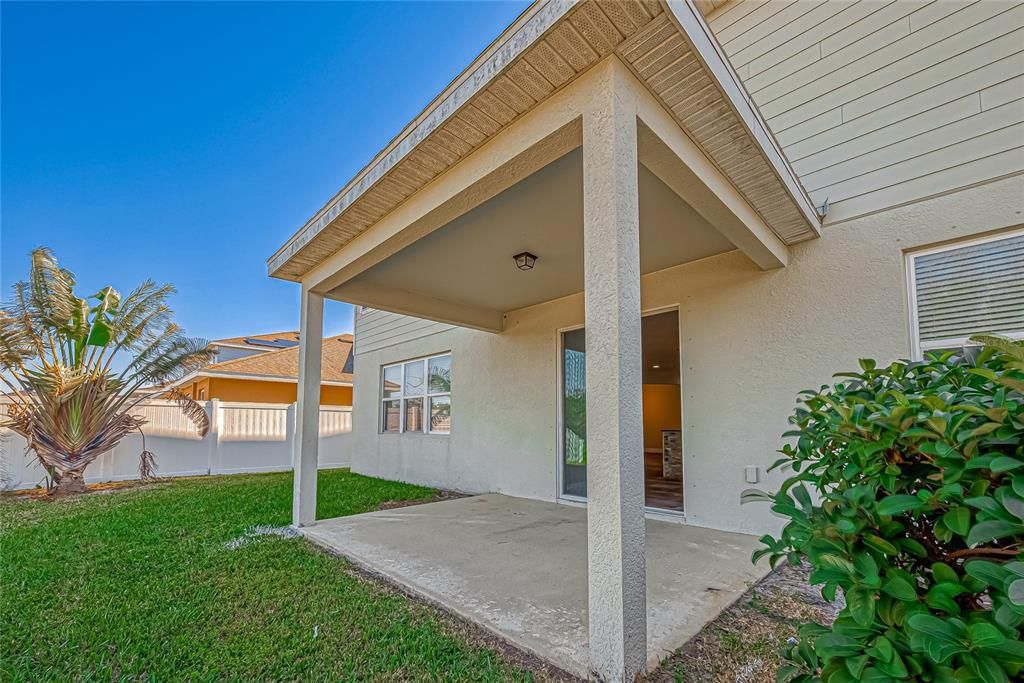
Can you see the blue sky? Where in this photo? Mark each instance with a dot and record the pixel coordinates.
(186, 141)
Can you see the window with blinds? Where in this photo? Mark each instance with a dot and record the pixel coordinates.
(964, 289)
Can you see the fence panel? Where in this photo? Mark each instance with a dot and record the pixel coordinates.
(335, 448)
(165, 418)
(254, 437)
(243, 437)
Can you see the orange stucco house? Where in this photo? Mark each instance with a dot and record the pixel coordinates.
(265, 368)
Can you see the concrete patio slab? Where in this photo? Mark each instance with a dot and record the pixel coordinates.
(519, 568)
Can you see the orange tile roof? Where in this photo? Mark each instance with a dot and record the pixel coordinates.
(336, 362)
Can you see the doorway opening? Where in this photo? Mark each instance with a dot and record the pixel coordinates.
(662, 413)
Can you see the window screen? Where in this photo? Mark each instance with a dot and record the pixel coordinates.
(963, 290)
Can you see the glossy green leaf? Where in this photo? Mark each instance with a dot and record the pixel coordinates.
(982, 634)
(958, 520)
(880, 544)
(900, 589)
(993, 529)
(989, 572)
(1015, 592)
(1005, 464)
(861, 603)
(986, 669)
(894, 505)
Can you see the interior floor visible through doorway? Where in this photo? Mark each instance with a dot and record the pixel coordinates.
(660, 492)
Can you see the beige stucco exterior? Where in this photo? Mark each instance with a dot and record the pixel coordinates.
(751, 340)
(660, 107)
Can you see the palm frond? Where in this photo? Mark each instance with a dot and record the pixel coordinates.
(56, 352)
(15, 343)
(144, 308)
(193, 410)
(1011, 347)
(147, 466)
(51, 296)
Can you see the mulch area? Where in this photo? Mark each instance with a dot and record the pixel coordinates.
(42, 493)
(742, 645)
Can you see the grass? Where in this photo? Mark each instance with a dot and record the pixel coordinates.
(136, 584)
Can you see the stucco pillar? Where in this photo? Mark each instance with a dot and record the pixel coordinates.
(307, 413)
(615, 477)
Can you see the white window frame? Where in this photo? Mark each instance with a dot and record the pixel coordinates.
(917, 349)
(401, 396)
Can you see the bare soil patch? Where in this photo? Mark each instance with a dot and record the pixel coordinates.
(436, 498)
(742, 645)
(103, 487)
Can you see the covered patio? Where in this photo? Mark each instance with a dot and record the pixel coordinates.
(614, 141)
(519, 568)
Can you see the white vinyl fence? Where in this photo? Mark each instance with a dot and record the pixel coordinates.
(243, 437)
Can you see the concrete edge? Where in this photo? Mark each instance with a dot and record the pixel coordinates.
(491, 635)
(655, 661)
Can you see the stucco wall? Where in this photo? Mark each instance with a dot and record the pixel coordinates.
(750, 341)
(503, 412)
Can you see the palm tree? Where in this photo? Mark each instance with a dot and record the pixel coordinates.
(66, 395)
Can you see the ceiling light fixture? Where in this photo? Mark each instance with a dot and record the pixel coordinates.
(525, 260)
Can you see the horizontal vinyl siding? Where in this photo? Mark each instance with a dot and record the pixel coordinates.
(378, 329)
(879, 103)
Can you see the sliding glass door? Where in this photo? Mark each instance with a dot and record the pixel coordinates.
(574, 413)
(662, 447)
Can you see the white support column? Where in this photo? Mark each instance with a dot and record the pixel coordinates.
(307, 413)
(617, 568)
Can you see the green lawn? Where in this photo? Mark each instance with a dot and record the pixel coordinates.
(137, 584)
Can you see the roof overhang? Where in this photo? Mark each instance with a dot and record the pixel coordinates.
(667, 46)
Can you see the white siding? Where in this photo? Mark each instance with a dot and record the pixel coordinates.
(880, 103)
(379, 329)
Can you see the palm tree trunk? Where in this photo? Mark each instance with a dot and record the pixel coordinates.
(71, 482)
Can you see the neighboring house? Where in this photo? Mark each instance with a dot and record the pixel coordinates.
(270, 374)
(242, 347)
(671, 212)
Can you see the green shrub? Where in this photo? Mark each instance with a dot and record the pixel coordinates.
(908, 496)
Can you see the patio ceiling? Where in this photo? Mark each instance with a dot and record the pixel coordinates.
(468, 262)
(666, 45)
